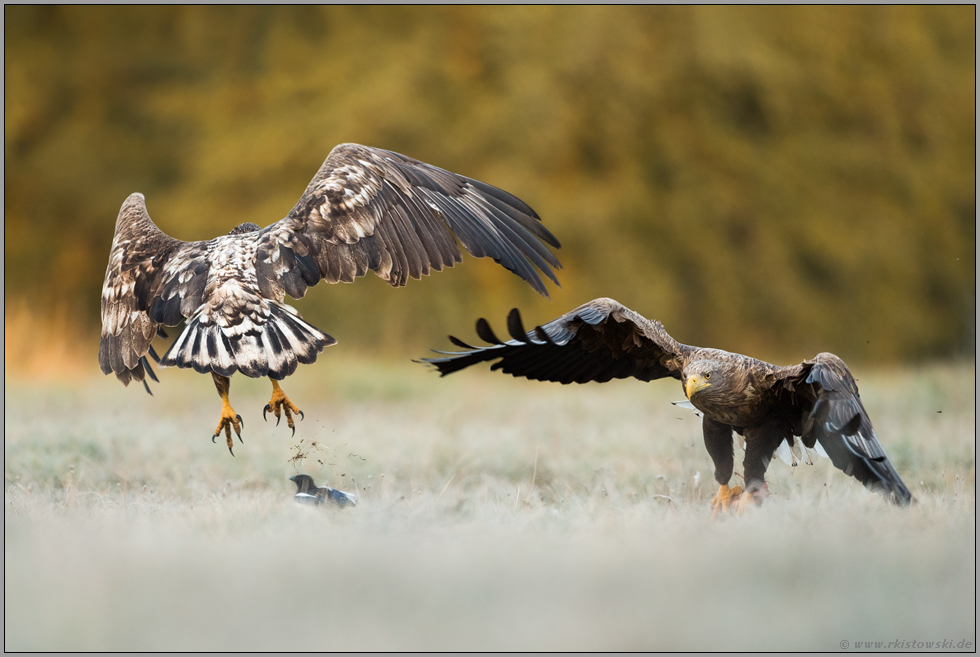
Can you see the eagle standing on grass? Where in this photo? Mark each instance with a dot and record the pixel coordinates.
(769, 406)
(366, 209)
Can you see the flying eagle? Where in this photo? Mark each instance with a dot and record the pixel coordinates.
(767, 405)
(366, 209)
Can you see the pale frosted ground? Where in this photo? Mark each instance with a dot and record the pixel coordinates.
(494, 514)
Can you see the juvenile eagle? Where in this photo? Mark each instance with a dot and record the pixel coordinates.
(366, 209)
(768, 405)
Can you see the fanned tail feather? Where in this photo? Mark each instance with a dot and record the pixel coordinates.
(273, 348)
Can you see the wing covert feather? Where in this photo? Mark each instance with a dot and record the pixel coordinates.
(368, 209)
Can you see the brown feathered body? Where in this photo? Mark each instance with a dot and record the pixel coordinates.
(816, 400)
(740, 398)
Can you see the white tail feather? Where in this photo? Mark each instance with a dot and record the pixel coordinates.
(273, 348)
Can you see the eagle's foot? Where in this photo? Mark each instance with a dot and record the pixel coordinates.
(752, 496)
(229, 420)
(723, 499)
(280, 404)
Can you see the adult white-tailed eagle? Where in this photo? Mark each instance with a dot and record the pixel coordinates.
(366, 209)
(768, 405)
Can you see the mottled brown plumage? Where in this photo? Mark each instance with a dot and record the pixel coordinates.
(366, 209)
(816, 400)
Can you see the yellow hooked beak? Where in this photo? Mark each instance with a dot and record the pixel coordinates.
(694, 383)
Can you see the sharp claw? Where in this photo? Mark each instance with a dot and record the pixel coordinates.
(278, 417)
(294, 432)
(301, 416)
(264, 411)
(240, 421)
(229, 450)
(213, 437)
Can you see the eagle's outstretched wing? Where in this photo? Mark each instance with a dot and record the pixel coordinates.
(598, 341)
(827, 394)
(369, 209)
(152, 279)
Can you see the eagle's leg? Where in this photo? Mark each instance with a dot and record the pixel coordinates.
(279, 404)
(229, 418)
(718, 441)
(760, 443)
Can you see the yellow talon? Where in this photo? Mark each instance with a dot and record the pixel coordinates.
(229, 420)
(739, 505)
(723, 499)
(279, 404)
(748, 498)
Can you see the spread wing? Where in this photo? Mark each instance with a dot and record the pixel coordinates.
(369, 209)
(827, 394)
(152, 279)
(598, 341)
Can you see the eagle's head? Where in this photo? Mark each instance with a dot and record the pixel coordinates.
(247, 227)
(700, 375)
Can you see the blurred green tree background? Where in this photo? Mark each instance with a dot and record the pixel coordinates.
(778, 181)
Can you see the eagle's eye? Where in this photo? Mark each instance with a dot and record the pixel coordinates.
(707, 375)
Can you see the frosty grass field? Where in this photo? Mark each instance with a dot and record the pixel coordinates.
(493, 514)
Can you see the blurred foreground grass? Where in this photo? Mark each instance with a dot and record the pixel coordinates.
(493, 514)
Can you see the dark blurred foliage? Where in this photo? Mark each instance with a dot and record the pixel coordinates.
(777, 181)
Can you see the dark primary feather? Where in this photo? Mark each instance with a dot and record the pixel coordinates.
(598, 341)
